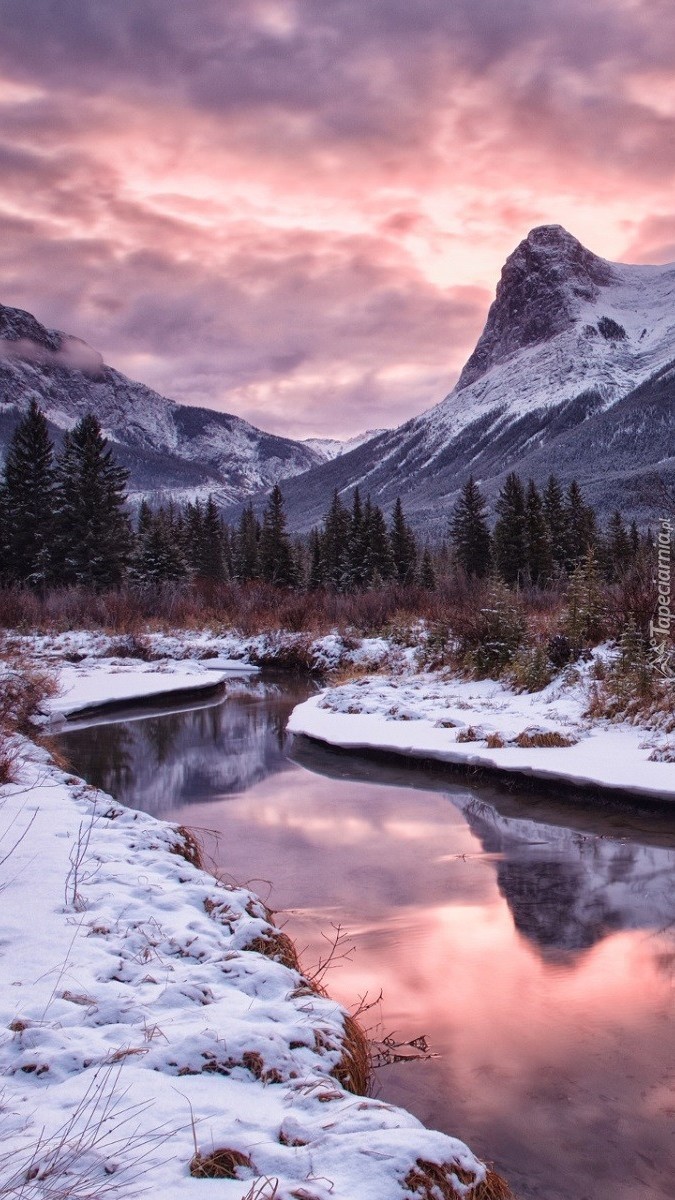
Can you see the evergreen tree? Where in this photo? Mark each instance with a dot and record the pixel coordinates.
(403, 545)
(316, 573)
(581, 526)
(511, 548)
(539, 556)
(336, 533)
(585, 603)
(469, 532)
(277, 563)
(246, 546)
(160, 558)
(93, 530)
(27, 493)
(356, 568)
(556, 520)
(380, 566)
(427, 573)
(618, 548)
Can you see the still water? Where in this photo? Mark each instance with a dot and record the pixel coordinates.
(532, 942)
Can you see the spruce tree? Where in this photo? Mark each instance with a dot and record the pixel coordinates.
(27, 489)
(335, 540)
(161, 558)
(539, 556)
(427, 573)
(380, 558)
(403, 545)
(469, 532)
(618, 547)
(93, 530)
(510, 540)
(556, 520)
(581, 526)
(316, 575)
(277, 563)
(356, 567)
(247, 546)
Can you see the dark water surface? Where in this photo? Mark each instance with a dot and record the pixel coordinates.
(533, 942)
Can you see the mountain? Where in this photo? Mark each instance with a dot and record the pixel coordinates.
(170, 449)
(574, 373)
(330, 448)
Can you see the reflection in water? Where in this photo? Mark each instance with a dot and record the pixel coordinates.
(532, 943)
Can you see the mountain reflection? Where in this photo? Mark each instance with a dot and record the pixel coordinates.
(166, 759)
(530, 939)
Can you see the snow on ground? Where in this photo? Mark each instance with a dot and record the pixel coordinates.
(139, 1003)
(458, 721)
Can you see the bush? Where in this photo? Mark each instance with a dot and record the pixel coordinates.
(531, 669)
(495, 635)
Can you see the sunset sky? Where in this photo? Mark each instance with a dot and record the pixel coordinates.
(297, 210)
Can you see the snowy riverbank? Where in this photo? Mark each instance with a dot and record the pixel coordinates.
(147, 1006)
(484, 724)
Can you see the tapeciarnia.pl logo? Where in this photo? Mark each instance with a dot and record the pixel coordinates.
(659, 627)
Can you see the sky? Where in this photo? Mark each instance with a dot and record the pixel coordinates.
(297, 210)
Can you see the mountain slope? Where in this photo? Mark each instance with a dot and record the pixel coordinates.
(169, 448)
(568, 337)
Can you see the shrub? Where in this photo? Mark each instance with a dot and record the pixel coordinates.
(531, 669)
(496, 633)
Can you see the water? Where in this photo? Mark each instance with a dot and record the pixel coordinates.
(532, 942)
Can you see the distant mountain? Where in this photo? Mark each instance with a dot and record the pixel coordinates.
(574, 373)
(330, 448)
(170, 449)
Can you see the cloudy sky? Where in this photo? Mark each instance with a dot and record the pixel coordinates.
(297, 210)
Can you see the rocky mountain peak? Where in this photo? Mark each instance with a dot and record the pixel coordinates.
(17, 326)
(537, 296)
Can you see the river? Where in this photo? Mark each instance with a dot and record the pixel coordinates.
(531, 940)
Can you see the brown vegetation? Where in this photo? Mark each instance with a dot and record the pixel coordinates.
(188, 847)
(434, 1181)
(277, 945)
(354, 1070)
(222, 1163)
(542, 739)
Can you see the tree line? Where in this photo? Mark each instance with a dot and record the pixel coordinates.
(65, 520)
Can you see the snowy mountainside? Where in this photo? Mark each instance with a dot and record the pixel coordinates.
(330, 448)
(169, 448)
(568, 337)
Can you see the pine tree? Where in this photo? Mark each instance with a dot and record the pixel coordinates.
(93, 530)
(427, 573)
(356, 568)
(585, 609)
(511, 549)
(556, 520)
(539, 556)
(403, 545)
(28, 502)
(469, 532)
(277, 563)
(161, 558)
(316, 573)
(618, 548)
(581, 526)
(379, 555)
(246, 546)
(335, 541)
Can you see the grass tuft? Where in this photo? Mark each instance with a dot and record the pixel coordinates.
(222, 1163)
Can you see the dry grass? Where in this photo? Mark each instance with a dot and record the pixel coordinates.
(494, 741)
(434, 1181)
(188, 847)
(467, 735)
(542, 739)
(354, 1070)
(276, 945)
(222, 1163)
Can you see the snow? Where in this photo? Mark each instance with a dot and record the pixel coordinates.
(423, 716)
(87, 686)
(134, 1011)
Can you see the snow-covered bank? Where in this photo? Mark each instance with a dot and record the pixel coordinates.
(483, 724)
(141, 1000)
(92, 685)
